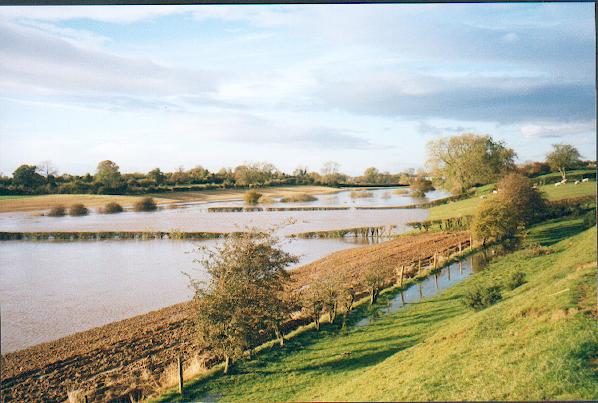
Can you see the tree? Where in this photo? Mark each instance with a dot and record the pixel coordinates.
(47, 169)
(26, 176)
(460, 162)
(374, 280)
(244, 296)
(493, 221)
(331, 174)
(421, 186)
(108, 174)
(370, 175)
(526, 204)
(157, 176)
(563, 157)
(252, 196)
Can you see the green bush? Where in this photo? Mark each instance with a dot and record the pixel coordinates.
(77, 210)
(145, 204)
(517, 279)
(57, 211)
(589, 219)
(112, 208)
(252, 197)
(482, 297)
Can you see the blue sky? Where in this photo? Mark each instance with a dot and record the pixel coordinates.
(363, 85)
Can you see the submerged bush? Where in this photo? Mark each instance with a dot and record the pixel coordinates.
(77, 210)
(357, 194)
(112, 208)
(482, 297)
(517, 279)
(266, 200)
(299, 197)
(145, 204)
(57, 211)
(252, 197)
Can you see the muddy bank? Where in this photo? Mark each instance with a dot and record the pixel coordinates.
(133, 354)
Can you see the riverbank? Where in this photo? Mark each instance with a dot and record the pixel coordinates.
(136, 353)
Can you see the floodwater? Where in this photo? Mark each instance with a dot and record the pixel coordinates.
(50, 289)
(434, 283)
(194, 216)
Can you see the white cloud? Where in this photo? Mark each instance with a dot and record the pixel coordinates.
(558, 130)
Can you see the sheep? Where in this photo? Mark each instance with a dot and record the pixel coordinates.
(585, 179)
(482, 197)
(495, 191)
(558, 184)
(577, 182)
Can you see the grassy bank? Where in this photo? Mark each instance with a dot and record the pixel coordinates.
(538, 343)
(45, 202)
(468, 206)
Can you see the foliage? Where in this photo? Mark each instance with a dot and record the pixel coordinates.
(532, 169)
(145, 204)
(479, 298)
(298, 198)
(525, 202)
(27, 176)
(494, 221)
(252, 197)
(157, 176)
(374, 280)
(78, 209)
(108, 174)
(57, 211)
(460, 162)
(244, 296)
(563, 157)
(112, 208)
(421, 186)
(516, 279)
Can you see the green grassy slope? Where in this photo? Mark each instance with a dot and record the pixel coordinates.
(468, 206)
(538, 343)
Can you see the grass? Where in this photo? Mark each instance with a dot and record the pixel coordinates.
(537, 343)
(469, 206)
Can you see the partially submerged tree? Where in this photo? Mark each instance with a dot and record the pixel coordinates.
(243, 298)
(252, 197)
(563, 157)
(460, 162)
(421, 186)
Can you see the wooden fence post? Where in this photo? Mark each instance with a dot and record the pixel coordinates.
(402, 297)
(470, 241)
(402, 272)
(419, 266)
(460, 267)
(449, 272)
(435, 257)
(180, 365)
(436, 280)
(460, 247)
(421, 296)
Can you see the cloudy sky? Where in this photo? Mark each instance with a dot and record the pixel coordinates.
(294, 85)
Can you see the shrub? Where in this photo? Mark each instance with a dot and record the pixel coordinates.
(480, 297)
(517, 279)
(494, 221)
(78, 209)
(299, 197)
(360, 194)
(57, 211)
(252, 197)
(145, 204)
(421, 186)
(589, 219)
(266, 200)
(112, 208)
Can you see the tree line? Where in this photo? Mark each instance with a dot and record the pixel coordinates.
(43, 178)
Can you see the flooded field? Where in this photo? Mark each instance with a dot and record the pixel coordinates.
(52, 289)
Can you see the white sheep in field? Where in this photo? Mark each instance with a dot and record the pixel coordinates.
(577, 182)
(585, 179)
(558, 184)
(482, 197)
(495, 191)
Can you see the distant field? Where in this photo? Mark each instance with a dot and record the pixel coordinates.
(468, 206)
(45, 202)
(538, 343)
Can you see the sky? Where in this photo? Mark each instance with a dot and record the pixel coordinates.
(294, 85)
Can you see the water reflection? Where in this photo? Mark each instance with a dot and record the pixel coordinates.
(434, 283)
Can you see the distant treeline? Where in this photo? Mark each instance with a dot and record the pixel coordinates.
(44, 179)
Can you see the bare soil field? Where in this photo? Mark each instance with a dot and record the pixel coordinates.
(46, 202)
(137, 354)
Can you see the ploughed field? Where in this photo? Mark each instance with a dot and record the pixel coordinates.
(137, 353)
